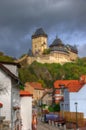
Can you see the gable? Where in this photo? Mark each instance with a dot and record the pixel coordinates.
(8, 72)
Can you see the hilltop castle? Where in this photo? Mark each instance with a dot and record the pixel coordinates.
(57, 52)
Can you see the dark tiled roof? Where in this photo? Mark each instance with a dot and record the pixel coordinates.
(39, 32)
(57, 45)
(57, 42)
(10, 63)
(72, 48)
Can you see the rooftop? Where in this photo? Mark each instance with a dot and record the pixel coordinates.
(72, 85)
(57, 42)
(39, 32)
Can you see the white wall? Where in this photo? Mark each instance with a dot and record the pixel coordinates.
(80, 98)
(8, 96)
(12, 68)
(26, 112)
(15, 101)
(5, 96)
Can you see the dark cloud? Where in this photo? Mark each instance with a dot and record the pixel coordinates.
(20, 18)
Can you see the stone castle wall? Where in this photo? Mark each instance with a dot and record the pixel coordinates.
(53, 58)
(39, 44)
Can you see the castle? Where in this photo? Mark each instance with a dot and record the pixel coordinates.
(57, 52)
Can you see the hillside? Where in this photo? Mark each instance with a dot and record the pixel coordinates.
(6, 58)
(48, 73)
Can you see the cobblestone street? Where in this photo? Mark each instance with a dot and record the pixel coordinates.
(46, 126)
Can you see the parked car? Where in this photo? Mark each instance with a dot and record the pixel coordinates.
(54, 117)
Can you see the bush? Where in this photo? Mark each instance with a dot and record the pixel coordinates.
(54, 108)
(51, 109)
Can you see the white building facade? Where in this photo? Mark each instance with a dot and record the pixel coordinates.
(79, 98)
(9, 94)
(73, 95)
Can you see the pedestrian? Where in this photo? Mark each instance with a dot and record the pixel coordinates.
(34, 121)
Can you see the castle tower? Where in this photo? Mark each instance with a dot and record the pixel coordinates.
(39, 42)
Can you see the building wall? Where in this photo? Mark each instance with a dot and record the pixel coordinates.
(50, 58)
(5, 95)
(66, 105)
(26, 112)
(9, 97)
(47, 99)
(73, 56)
(29, 88)
(15, 100)
(38, 44)
(80, 98)
(37, 93)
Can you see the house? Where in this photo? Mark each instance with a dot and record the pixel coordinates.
(36, 89)
(47, 97)
(26, 110)
(9, 90)
(73, 93)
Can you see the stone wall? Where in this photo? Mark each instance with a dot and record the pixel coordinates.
(39, 44)
(53, 58)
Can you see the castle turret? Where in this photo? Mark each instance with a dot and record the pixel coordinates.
(58, 46)
(39, 42)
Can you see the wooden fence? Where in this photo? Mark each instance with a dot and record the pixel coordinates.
(71, 118)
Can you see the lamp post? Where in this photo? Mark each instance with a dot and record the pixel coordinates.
(76, 115)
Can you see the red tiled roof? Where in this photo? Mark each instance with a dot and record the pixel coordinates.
(72, 85)
(25, 93)
(36, 85)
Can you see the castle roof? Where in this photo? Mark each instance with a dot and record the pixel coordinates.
(57, 42)
(58, 45)
(72, 48)
(39, 32)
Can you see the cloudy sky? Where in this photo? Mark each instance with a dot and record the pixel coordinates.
(20, 18)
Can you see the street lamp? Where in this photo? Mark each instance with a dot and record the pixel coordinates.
(76, 115)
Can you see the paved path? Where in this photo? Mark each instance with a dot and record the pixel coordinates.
(46, 126)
